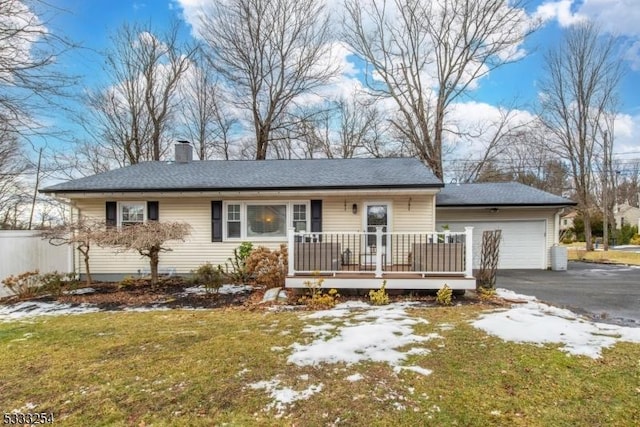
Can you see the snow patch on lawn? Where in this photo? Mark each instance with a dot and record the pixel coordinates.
(224, 289)
(355, 377)
(353, 333)
(28, 309)
(284, 396)
(80, 291)
(539, 323)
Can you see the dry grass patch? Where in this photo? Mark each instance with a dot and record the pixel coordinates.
(212, 367)
(615, 257)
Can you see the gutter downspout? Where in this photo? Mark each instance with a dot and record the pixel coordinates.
(556, 227)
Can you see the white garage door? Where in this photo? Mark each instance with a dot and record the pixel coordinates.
(523, 242)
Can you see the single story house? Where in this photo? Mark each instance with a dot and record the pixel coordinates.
(355, 221)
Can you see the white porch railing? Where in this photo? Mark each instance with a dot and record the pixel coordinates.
(380, 252)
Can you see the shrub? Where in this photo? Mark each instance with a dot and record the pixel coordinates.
(486, 294)
(238, 273)
(24, 285)
(129, 282)
(269, 268)
(316, 299)
(635, 240)
(210, 277)
(443, 297)
(380, 296)
(624, 235)
(56, 282)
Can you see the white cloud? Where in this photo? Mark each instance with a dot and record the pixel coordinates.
(633, 56)
(559, 10)
(618, 17)
(627, 133)
(15, 51)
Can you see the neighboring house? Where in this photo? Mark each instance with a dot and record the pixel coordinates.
(566, 221)
(626, 214)
(355, 221)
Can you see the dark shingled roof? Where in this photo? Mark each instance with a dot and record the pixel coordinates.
(497, 194)
(238, 175)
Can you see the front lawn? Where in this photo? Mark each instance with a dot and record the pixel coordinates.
(258, 367)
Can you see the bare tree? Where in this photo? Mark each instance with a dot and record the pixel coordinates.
(148, 239)
(32, 86)
(130, 119)
(13, 193)
(270, 52)
(206, 121)
(81, 234)
(426, 54)
(29, 51)
(344, 128)
(580, 87)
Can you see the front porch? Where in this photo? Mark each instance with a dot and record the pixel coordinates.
(362, 260)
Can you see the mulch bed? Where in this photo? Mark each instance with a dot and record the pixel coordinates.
(170, 293)
(139, 293)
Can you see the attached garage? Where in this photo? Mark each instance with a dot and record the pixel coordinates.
(528, 218)
(523, 243)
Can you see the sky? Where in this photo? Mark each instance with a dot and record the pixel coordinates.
(91, 22)
(355, 332)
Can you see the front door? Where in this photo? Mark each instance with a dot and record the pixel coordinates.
(375, 215)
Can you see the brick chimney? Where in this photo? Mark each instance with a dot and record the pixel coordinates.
(184, 152)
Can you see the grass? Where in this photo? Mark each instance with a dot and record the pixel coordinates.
(194, 367)
(577, 252)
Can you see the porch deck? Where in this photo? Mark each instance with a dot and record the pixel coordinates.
(363, 260)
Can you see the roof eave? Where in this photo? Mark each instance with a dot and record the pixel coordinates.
(52, 190)
(504, 205)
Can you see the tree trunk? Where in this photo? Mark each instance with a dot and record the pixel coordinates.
(154, 260)
(587, 232)
(85, 255)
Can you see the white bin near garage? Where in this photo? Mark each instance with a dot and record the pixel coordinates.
(558, 258)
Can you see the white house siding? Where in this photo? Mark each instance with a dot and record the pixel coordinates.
(470, 215)
(199, 249)
(407, 216)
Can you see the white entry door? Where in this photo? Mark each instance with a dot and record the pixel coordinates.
(376, 215)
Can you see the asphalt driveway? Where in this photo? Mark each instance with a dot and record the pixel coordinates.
(607, 293)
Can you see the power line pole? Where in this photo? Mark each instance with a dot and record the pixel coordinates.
(605, 190)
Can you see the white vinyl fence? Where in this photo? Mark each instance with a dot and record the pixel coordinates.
(22, 251)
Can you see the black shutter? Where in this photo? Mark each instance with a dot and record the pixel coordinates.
(316, 216)
(111, 214)
(153, 211)
(216, 221)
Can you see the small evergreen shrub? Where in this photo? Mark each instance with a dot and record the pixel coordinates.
(380, 296)
(624, 235)
(210, 277)
(444, 295)
(236, 268)
(486, 294)
(635, 240)
(56, 282)
(267, 267)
